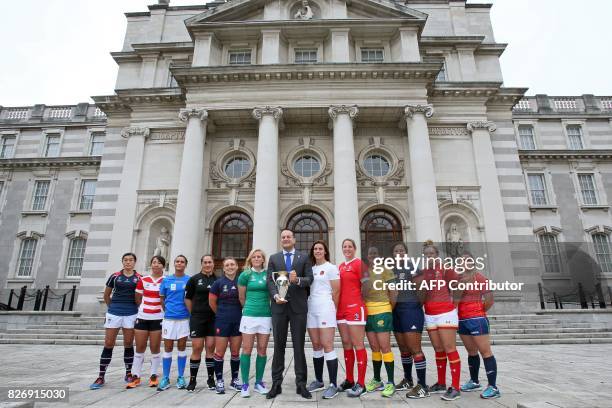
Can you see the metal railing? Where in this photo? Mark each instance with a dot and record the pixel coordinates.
(579, 297)
(40, 298)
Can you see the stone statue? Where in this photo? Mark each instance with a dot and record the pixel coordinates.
(454, 242)
(162, 244)
(304, 12)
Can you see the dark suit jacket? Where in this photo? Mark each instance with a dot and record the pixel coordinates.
(297, 295)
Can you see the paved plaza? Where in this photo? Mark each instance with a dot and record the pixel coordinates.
(568, 376)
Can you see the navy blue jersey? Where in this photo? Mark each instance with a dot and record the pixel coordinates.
(228, 303)
(123, 298)
(406, 297)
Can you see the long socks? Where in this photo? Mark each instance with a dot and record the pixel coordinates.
(194, 366)
(407, 365)
(491, 368)
(474, 366)
(362, 365)
(318, 362)
(155, 362)
(235, 366)
(349, 362)
(245, 367)
(389, 366)
(260, 366)
(128, 359)
(218, 367)
(105, 359)
(181, 362)
(137, 365)
(420, 364)
(441, 366)
(167, 363)
(455, 365)
(377, 364)
(332, 366)
(210, 368)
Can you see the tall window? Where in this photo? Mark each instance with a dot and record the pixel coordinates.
(8, 147)
(52, 145)
(441, 77)
(574, 134)
(602, 251)
(307, 227)
(550, 253)
(97, 144)
(26, 258)
(380, 229)
(41, 191)
(526, 137)
(587, 189)
(305, 56)
(537, 189)
(76, 253)
(88, 192)
(233, 236)
(372, 55)
(240, 57)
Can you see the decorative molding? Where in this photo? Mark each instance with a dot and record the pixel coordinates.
(198, 113)
(448, 131)
(411, 110)
(275, 111)
(45, 162)
(217, 172)
(335, 110)
(132, 131)
(526, 155)
(481, 124)
(167, 134)
(29, 234)
(599, 229)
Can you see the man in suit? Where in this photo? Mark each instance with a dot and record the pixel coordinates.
(292, 310)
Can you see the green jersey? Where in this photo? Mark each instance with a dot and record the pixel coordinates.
(257, 297)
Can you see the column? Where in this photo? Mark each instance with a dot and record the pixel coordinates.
(422, 177)
(266, 230)
(346, 201)
(123, 230)
(187, 221)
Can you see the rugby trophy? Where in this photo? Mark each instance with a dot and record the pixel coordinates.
(281, 280)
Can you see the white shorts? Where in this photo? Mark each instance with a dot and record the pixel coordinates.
(448, 320)
(255, 325)
(115, 322)
(321, 318)
(175, 329)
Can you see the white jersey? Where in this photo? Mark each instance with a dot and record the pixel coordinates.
(320, 288)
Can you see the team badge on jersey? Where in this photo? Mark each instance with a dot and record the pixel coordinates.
(322, 273)
(356, 317)
(380, 323)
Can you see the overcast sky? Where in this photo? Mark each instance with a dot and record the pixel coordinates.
(57, 51)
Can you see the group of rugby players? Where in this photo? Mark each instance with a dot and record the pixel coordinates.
(235, 309)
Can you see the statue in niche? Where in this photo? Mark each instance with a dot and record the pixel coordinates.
(304, 12)
(454, 242)
(162, 244)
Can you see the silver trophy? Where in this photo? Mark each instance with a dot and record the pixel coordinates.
(281, 280)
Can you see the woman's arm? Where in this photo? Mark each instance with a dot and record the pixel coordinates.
(188, 304)
(242, 294)
(212, 301)
(488, 301)
(335, 285)
(107, 295)
(138, 298)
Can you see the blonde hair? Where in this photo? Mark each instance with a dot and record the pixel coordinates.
(247, 262)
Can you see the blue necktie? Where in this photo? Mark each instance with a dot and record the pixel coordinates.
(288, 261)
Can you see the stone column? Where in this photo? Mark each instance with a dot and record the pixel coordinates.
(187, 221)
(423, 180)
(266, 230)
(346, 202)
(123, 230)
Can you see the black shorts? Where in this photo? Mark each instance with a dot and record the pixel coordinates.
(147, 325)
(201, 326)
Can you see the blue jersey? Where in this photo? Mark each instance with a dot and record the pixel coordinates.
(406, 297)
(173, 290)
(123, 298)
(228, 302)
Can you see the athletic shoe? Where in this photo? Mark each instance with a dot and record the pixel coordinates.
(388, 391)
(437, 389)
(405, 384)
(346, 385)
(153, 381)
(471, 386)
(316, 386)
(96, 385)
(451, 394)
(235, 385)
(490, 392)
(417, 392)
(244, 392)
(356, 391)
(330, 392)
(180, 383)
(260, 387)
(374, 385)
(135, 382)
(210, 383)
(164, 384)
(128, 378)
(220, 387)
(191, 386)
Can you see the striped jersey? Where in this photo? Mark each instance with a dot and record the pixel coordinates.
(150, 307)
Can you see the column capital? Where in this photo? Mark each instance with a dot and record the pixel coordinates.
(481, 124)
(131, 131)
(411, 110)
(335, 110)
(186, 113)
(275, 111)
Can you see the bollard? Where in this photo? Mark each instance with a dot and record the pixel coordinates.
(64, 301)
(72, 298)
(21, 298)
(583, 300)
(610, 294)
(556, 300)
(542, 304)
(44, 305)
(37, 301)
(10, 302)
(592, 302)
(600, 295)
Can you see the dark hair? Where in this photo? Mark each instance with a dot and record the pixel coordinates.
(351, 241)
(230, 258)
(403, 245)
(205, 255)
(159, 258)
(129, 254)
(311, 253)
(181, 256)
(287, 229)
(430, 244)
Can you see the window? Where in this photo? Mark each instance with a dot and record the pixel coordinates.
(88, 192)
(237, 167)
(602, 251)
(240, 57)
(26, 258)
(587, 189)
(307, 166)
(97, 144)
(537, 189)
(232, 236)
(8, 147)
(52, 145)
(376, 166)
(303, 56)
(550, 253)
(41, 191)
(441, 77)
(380, 229)
(76, 252)
(307, 227)
(372, 55)
(574, 135)
(526, 138)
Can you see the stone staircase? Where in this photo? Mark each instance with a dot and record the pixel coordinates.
(505, 330)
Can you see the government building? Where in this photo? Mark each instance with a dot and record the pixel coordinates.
(378, 120)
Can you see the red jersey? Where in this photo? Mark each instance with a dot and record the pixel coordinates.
(350, 283)
(472, 303)
(438, 299)
(150, 307)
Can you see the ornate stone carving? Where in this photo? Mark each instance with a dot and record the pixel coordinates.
(454, 241)
(448, 131)
(426, 110)
(482, 124)
(187, 113)
(335, 110)
(162, 244)
(275, 111)
(220, 179)
(304, 12)
(394, 177)
(135, 131)
(168, 134)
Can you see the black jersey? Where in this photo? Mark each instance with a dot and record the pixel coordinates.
(197, 290)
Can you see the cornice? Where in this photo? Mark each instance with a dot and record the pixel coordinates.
(126, 99)
(464, 89)
(79, 161)
(603, 154)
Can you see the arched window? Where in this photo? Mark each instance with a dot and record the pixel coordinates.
(380, 229)
(307, 227)
(232, 236)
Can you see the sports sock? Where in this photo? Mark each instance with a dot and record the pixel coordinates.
(155, 361)
(137, 365)
(362, 365)
(474, 365)
(455, 365)
(194, 366)
(167, 363)
(245, 367)
(389, 366)
(235, 366)
(210, 367)
(331, 360)
(105, 359)
(491, 368)
(318, 362)
(128, 359)
(218, 367)
(420, 364)
(260, 366)
(377, 364)
(349, 362)
(441, 366)
(181, 362)
(407, 365)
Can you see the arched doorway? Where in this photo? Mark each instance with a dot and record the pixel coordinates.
(307, 227)
(381, 229)
(232, 236)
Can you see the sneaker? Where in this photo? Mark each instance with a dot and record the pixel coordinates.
(220, 387)
(346, 385)
(235, 385)
(134, 383)
(180, 383)
(330, 392)
(96, 385)
(128, 378)
(490, 392)
(164, 384)
(356, 391)
(316, 386)
(153, 381)
(192, 385)
(388, 391)
(260, 387)
(471, 386)
(210, 383)
(374, 385)
(244, 392)
(405, 384)
(451, 394)
(417, 392)
(437, 389)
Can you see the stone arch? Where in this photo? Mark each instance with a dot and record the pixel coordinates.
(149, 226)
(466, 219)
